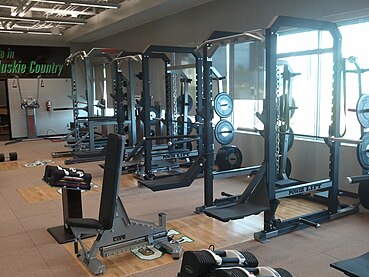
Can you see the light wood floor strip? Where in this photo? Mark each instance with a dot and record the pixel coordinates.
(8, 166)
(203, 230)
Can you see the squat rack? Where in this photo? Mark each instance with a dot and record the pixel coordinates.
(157, 51)
(273, 226)
(95, 57)
(208, 48)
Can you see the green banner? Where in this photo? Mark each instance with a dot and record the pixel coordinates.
(32, 61)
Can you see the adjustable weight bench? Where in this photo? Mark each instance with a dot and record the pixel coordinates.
(115, 231)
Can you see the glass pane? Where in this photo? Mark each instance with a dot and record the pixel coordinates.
(304, 93)
(248, 71)
(326, 40)
(244, 113)
(293, 42)
(325, 92)
(220, 64)
(353, 45)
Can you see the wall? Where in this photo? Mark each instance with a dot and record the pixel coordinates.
(48, 123)
(195, 25)
(55, 90)
(309, 159)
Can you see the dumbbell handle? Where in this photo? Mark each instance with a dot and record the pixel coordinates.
(357, 179)
(227, 260)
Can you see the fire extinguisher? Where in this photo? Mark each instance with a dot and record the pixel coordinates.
(48, 105)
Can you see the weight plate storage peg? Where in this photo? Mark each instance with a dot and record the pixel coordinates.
(224, 132)
(223, 104)
(362, 151)
(362, 110)
(228, 157)
(181, 103)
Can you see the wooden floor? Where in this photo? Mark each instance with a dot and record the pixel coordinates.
(204, 232)
(28, 207)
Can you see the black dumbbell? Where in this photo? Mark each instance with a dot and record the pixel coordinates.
(13, 156)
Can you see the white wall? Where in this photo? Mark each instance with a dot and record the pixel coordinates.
(48, 123)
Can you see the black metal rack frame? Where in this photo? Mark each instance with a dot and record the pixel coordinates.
(157, 51)
(272, 226)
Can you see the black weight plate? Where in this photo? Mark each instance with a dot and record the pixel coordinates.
(362, 110)
(292, 106)
(153, 115)
(2, 157)
(13, 156)
(187, 146)
(363, 193)
(181, 103)
(288, 167)
(228, 157)
(290, 138)
(223, 104)
(180, 124)
(250, 259)
(224, 132)
(362, 151)
(282, 272)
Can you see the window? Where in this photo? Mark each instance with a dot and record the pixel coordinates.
(311, 87)
(242, 64)
(355, 44)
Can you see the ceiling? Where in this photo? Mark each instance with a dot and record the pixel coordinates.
(83, 20)
(49, 16)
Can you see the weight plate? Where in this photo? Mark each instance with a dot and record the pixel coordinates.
(181, 103)
(153, 115)
(290, 138)
(223, 104)
(186, 146)
(2, 157)
(180, 124)
(224, 132)
(288, 167)
(362, 110)
(13, 156)
(362, 151)
(363, 193)
(228, 157)
(292, 106)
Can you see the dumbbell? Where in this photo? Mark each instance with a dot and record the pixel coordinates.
(13, 156)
